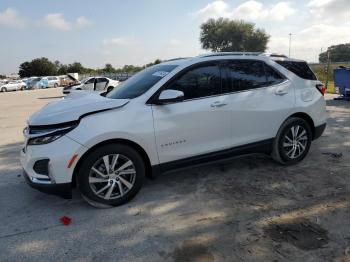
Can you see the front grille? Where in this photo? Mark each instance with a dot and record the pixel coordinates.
(41, 167)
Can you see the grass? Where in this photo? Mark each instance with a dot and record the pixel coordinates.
(330, 88)
(319, 70)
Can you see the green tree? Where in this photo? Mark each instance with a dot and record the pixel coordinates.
(108, 69)
(37, 67)
(225, 35)
(76, 67)
(156, 62)
(62, 70)
(338, 53)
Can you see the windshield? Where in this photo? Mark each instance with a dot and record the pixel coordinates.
(84, 80)
(141, 82)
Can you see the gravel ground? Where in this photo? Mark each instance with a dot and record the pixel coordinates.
(245, 209)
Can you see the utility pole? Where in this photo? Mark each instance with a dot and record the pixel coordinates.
(290, 42)
(327, 70)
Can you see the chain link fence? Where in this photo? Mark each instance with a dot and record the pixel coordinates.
(114, 76)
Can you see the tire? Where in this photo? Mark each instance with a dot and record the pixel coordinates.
(3, 89)
(55, 85)
(289, 149)
(102, 188)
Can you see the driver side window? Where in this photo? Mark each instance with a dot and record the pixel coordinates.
(202, 81)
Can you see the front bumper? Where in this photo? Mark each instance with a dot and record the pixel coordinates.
(58, 178)
(64, 190)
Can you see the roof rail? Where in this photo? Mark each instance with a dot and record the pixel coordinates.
(174, 59)
(244, 54)
(277, 55)
(232, 53)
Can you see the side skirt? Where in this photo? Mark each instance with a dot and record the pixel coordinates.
(264, 146)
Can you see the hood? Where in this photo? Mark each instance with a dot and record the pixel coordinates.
(72, 107)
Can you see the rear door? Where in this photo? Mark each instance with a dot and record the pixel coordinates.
(260, 99)
(198, 125)
(101, 83)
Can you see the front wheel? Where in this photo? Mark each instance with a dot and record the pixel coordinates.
(111, 175)
(3, 89)
(55, 85)
(292, 142)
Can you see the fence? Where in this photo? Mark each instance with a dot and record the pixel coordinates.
(115, 76)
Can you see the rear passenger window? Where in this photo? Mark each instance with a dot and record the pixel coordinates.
(200, 82)
(272, 76)
(301, 69)
(244, 75)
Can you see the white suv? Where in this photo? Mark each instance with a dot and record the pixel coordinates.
(178, 113)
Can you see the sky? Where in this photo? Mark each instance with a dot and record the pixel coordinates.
(139, 31)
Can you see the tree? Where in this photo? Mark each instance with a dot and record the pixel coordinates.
(338, 53)
(225, 35)
(108, 69)
(37, 67)
(76, 67)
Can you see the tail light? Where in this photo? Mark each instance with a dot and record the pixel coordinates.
(321, 88)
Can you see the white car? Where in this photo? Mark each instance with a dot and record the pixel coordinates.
(98, 84)
(13, 86)
(178, 113)
(54, 81)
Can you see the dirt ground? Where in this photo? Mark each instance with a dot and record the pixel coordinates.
(245, 209)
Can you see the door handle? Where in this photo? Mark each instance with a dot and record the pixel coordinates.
(281, 91)
(218, 104)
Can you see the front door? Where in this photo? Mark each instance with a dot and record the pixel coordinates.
(198, 125)
(89, 84)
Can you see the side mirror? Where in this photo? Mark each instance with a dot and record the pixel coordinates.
(170, 96)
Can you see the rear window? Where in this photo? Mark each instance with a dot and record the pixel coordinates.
(301, 69)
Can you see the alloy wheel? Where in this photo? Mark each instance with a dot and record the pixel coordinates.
(112, 176)
(295, 141)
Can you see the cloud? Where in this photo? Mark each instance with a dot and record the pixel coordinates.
(10, 18)
(330, 10)
(119, 41)
(215, 9)
(57, 21)
(82, 22)
(174, 42)
(249, 10)
(308, 42)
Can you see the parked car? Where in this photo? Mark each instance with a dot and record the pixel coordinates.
(53, 81)
(171, 115)
(38, 82)
(98, 84)
(13, 86)
(68, 80)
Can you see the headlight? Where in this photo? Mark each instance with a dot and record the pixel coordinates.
(47, 134)
(43, 139)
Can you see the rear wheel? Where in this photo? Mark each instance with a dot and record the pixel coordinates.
(111, 175)
(3, 89)
(55, 85)
(292, 142)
